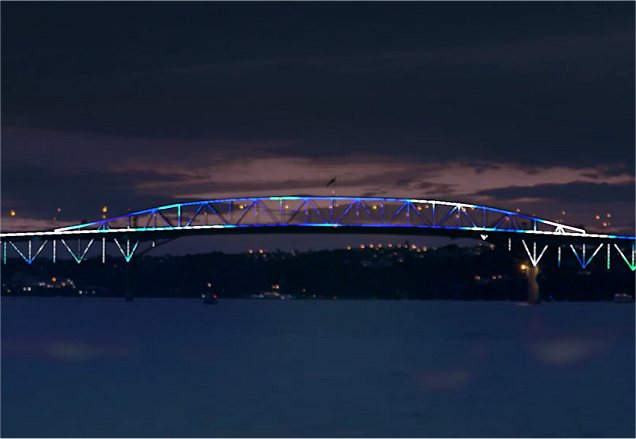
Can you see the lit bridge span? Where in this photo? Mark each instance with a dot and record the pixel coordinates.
(314, 214)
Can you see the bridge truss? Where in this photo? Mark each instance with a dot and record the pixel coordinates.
(310, 214)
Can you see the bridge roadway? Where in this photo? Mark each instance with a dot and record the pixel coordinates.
(158, 233)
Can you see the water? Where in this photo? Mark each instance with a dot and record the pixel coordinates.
(106, 367)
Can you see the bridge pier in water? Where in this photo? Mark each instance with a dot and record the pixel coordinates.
(534, 295)
(129, 291)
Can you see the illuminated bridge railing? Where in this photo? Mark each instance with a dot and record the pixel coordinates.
(298, 213)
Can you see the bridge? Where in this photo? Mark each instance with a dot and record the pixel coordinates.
(314, 214)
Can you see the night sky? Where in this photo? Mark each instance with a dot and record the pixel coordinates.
(516, 105)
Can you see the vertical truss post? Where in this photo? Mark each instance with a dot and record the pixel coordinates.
(280, 210)
(584, 252)
(30, 258)
(54, 246)
(382, 213)
(4, 252)
(179, 215)
(103, 250)
(608, 257)
(433, 214)
(509, 244)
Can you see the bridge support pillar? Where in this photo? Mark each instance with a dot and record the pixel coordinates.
(534, 295)
(128, 281)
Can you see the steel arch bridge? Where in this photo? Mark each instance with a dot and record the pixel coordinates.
(316, 214)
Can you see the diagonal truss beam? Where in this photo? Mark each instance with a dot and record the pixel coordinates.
(534, 259)
(632, 264)
(79, 257)
(128, 253)
(583, 261)
(29, 257)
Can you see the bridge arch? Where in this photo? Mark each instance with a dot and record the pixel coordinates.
(314, 211)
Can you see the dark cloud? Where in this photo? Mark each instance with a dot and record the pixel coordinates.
(545, 84)
(133, 104)
(481, 167)
(611, 171)
(437, 189)
(577, 192)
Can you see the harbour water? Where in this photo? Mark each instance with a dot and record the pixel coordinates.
(250, 368)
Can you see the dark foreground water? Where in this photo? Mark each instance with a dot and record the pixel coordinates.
(106, 367)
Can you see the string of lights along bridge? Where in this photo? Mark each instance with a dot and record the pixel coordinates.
(127, 233)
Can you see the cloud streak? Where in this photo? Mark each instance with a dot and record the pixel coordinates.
(583, 191)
